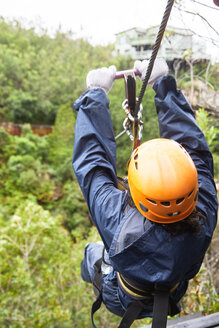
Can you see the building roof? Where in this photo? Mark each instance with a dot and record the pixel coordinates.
(138, 29)
(179, 30)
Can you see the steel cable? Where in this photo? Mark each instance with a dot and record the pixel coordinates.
(154, 53)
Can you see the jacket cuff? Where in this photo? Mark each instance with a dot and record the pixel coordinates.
(92, 94)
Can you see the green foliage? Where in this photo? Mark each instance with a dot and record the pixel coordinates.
(28, 175)
(64, 126)
(61, 143)
(5, 146)
(73, 210)
(37, 271)
(40, 73)
(25, 146)
(216, 166)
(40, 145)
(209, 130)
(39, 169)
(201, 295)
(203, 72)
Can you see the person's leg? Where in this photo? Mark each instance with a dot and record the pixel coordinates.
(92, 253)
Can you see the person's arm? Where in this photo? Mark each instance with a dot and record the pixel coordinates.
(177, 121)
(94, 155)
(176, 118)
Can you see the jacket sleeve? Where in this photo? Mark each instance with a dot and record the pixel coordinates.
(177, 121)
(94, 162)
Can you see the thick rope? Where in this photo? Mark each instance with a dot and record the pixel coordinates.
(154, 53)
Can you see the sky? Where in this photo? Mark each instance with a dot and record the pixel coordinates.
(98, 21)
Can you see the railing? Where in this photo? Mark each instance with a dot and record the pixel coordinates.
(16, 129)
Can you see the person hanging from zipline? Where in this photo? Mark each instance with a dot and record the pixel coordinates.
(156, 232)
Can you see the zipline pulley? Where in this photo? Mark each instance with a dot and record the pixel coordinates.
(132, 120)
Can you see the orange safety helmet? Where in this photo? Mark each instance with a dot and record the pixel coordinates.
(163, 181)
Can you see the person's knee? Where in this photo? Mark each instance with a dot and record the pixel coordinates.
(92, 253)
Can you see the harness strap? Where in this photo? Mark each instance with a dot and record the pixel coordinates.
(160, 309)
(97, 287)
(95, 306)
(131, 314)
(97, 282)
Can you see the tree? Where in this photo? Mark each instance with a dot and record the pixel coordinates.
(40, 73)
(37, 270)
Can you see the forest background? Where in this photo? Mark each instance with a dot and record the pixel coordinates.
(44, 221)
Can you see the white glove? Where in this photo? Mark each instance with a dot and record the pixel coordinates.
(160, 68)
(101, 78)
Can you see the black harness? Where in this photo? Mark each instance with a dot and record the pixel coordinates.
(163, 302)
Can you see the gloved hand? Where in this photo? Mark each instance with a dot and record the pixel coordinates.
(160, 68)
(101, 78)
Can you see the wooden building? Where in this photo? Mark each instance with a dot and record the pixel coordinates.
(177, 42)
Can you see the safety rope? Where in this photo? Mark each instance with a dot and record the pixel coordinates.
(154, 53)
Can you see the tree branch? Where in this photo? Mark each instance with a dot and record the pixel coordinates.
(203, 4)
(202, 17)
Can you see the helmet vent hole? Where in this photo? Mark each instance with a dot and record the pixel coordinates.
(144, 209)
(136, 165)
(136, 157)
(173, 213)
(151, 201)
(165, 203)
(190, 193)
(180, 200)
